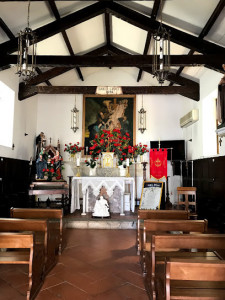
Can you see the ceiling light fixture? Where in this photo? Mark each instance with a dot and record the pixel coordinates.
(161, 52)
(26, 59)
(75, 118)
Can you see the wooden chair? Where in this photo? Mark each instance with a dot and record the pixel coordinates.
(168, 226)
(161, 246)
(55, 217)
(187, 192)
(144, 214)
(194, 279)
(32, 255)
(41, 229)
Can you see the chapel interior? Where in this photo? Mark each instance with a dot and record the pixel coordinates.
(112, 148)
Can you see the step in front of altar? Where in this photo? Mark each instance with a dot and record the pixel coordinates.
(114, 222)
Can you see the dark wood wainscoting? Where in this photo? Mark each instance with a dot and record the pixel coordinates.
(209, 178)
(14, 184)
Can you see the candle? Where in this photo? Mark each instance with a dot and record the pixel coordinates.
(86, 150)
(78, 162)
(127, 162)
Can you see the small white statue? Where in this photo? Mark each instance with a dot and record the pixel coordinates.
(101, 208)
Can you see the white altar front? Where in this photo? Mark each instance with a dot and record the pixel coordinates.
(96, 183)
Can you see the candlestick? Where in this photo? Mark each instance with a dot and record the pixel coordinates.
(127, 162)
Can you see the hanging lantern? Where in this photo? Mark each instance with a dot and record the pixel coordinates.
(161, 52)
(142, 119)
(75, 118)
(26, 59)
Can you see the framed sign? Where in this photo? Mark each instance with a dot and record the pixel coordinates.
(108, 112)
(151, 195)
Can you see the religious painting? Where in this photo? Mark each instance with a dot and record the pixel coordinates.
(108, 112)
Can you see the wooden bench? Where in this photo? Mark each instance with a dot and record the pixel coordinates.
(161, 246)
(193, 279)
(54, 216)
(144, 214)
(40, 227)
(163, 226)
(32, 255)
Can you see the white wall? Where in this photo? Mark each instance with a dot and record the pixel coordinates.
(202, 133)
(25, 113)
(163, 114)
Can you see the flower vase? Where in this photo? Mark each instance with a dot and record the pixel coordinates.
(73, 157)
(123, 171)
(92, 171)
(141, 158)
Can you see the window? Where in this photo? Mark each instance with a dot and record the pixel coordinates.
(7, 97)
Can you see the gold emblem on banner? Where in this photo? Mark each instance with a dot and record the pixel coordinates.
(158, 163)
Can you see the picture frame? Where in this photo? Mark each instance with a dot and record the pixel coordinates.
(108, 112)
(151, 195)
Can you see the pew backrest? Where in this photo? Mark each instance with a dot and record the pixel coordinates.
(36, 213)
(193, 270)
(38, 226)
(31, 256)
(144, 214)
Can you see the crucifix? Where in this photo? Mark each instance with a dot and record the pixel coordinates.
(220, 141)
(50, 141)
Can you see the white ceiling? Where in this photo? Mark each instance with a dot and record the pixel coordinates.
(187, 15)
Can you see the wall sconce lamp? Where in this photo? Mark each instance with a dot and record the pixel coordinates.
(26, 41)
(142, 119)
(74, 118)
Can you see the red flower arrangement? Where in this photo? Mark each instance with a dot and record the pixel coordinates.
(72, 149)
(50, 172)
(111, 141)
(140, 149)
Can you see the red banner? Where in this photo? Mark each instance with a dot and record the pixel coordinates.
(158, 163)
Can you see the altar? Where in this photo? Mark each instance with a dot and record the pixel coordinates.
(96, 183)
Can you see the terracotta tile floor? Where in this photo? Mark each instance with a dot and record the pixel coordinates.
(95, 265)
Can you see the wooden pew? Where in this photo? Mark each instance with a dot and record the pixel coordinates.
(193, 279)
(40, 227)
(144, 214)
(54, 216)
(32, 255)
(163, 226)
(161, 246)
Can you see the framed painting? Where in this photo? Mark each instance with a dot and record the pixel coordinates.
(108, 112)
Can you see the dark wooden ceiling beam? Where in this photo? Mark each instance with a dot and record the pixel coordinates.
(114, 61)
(177, 36)
(107, 29)
(154, 14)
(6, 29)
(28, 91)
(57, 26)
(64, 34)
(211, 21)
(173, 77)
(60, 70)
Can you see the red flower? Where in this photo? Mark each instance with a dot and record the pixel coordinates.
(127, 134)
